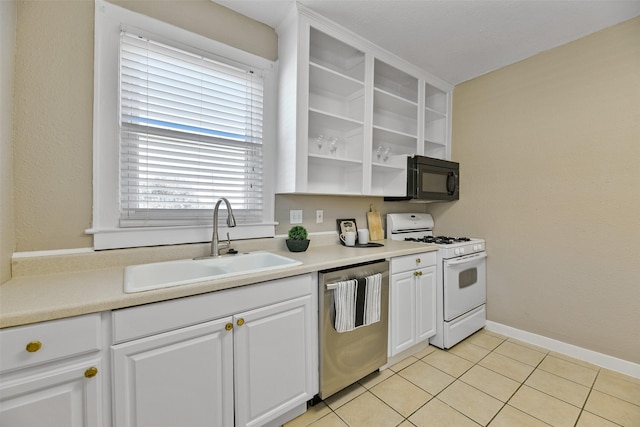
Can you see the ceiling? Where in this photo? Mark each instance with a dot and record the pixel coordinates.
(457, 40)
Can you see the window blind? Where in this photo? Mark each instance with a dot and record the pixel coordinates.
(190, 133)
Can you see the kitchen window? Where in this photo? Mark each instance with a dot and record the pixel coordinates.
(179, 122)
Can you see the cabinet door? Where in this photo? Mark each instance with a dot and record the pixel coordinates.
(65, 396)
(426, 303)
(402, 312)
(178, 378)
(274, 360)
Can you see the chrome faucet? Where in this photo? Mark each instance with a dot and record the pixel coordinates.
(231, 222)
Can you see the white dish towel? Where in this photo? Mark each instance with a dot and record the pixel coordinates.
(348, 305)
(372, 307)
(344, 296)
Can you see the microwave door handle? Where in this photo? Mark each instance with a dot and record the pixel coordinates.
(466, 259)
(451, 183)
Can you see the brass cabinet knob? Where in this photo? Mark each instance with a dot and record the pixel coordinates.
(228, 326)
(240, 321)
(34, 346)
(91, 372)
(418, 260)
(417, 273)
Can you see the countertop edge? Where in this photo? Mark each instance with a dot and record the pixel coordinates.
(31, 299)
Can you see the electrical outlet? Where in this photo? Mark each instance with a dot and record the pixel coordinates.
(295, 217)
(319, 216)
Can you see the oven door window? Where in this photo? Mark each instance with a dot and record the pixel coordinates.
(464, 285)
(468, 277)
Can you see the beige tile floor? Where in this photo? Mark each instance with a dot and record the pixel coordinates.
(487, 380)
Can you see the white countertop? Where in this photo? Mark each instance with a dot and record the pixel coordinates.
(53, 295)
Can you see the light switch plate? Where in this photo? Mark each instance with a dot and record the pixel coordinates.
(295, 217)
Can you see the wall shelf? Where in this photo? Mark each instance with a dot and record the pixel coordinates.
(339, 86)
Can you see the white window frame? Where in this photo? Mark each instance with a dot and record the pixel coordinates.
(107, 233)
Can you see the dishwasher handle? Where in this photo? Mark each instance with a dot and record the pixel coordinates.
(329, 279)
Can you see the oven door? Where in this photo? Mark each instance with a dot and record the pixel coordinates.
(464, 284)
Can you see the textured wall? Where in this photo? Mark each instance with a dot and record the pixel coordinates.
(335, 207)
(7, 63)
(53, 124)
(211, 20)
(549, 150)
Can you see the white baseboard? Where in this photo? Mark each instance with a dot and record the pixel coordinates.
(599, 359)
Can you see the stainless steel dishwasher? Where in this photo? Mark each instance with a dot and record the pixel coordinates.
(346, 357)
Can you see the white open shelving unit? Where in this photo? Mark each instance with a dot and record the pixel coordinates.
(350, 113)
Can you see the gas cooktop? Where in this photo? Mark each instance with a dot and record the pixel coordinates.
(438, 240)
(419, 228)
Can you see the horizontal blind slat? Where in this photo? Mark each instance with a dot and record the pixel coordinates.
(191, 132)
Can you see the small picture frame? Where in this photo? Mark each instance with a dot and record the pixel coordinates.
(348, 224)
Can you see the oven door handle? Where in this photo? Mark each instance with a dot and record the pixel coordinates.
(468, 258)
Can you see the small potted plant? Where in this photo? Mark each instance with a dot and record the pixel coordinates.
(297, 241)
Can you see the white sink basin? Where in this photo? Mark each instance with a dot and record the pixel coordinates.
(157, 275)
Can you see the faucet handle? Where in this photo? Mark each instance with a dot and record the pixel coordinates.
(227, 246)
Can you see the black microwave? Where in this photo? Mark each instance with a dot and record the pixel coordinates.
(431, 180)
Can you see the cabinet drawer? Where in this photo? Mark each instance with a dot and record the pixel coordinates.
(28, 345)
(411, 262)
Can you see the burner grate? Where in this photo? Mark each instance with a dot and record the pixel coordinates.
(438, 240)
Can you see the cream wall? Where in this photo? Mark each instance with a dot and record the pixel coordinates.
(53, 110)
(335, 207)
(211, 20)
(7, 63)
(550, 176)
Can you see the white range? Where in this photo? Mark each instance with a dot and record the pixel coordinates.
(461, 272)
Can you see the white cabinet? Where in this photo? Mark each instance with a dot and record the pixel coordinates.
(349, 113)
(437, 122)
(395, 128)
(177, 378)
(53, 374)
(412, 301)
(272, 363)
(322, 109)
(336, 115)
(243, 357)
(66, 396)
